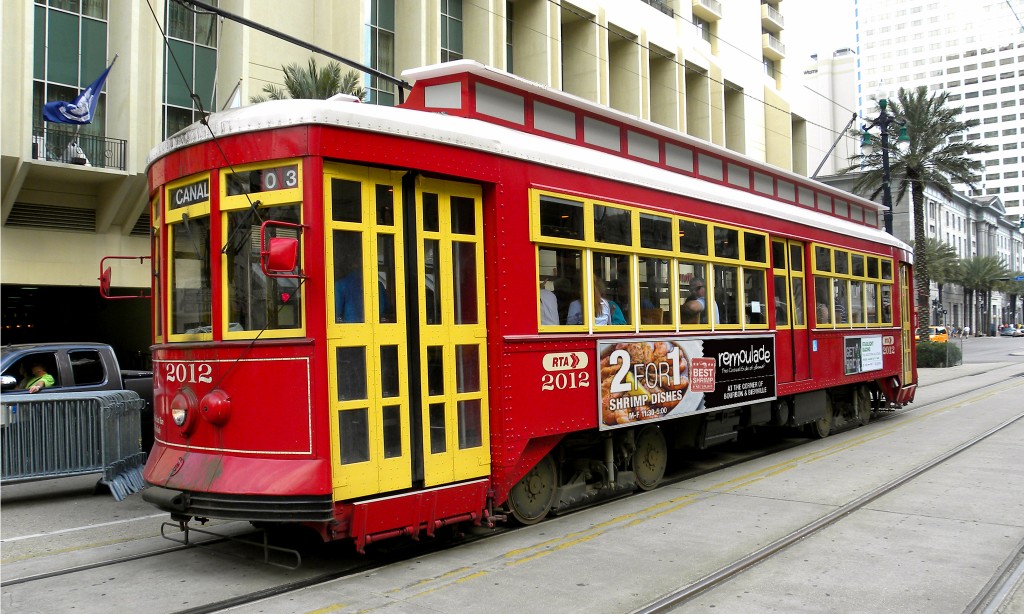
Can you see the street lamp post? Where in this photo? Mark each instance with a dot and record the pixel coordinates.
(883, 122)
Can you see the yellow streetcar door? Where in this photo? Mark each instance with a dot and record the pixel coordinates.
(453, 349)
(906, 329)
(371, 420)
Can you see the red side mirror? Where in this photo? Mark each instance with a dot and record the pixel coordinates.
(279, 255)
(283, 254)
(106, 278)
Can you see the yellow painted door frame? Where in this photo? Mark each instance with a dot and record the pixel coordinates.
(453, 346)
(371, 422)
(906, 331)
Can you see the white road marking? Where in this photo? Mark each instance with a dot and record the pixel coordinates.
(72, 529)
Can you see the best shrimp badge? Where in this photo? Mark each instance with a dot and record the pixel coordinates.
(656, 380)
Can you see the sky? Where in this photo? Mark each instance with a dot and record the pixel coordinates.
(816, 26)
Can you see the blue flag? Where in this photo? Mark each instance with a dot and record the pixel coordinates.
(81, 109)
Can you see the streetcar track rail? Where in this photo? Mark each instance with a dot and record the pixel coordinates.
(99, 564)
(676, 598)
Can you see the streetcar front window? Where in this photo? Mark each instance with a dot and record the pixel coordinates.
(191, 308)
(255, 301)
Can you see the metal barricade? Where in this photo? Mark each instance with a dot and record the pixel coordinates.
(45, 436)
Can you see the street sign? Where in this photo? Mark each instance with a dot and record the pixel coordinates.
(1019, 278)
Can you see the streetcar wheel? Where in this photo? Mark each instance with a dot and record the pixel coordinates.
(650, 458)
(821, 427)
(864, 405)
(531, 499)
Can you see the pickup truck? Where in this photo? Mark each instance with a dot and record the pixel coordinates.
(77, 367)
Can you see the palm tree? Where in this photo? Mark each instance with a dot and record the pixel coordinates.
(1016, 291)
(981, 274)
(313, 83)
(932, 158)
(943, 263)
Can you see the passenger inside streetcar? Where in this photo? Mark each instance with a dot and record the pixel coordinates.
(605, 311)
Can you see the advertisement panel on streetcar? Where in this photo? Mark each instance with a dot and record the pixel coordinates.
(669, 378)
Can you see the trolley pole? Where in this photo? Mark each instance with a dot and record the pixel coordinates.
(883, 122)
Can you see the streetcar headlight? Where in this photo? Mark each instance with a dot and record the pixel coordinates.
(179, 415)
(184, 407)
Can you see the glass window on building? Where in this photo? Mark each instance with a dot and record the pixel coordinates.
(190, 66)
(451, 30)
(69, 53)
(381, 35)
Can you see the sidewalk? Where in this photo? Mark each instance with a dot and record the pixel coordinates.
(937, 375)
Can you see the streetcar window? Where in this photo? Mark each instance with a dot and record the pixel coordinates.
(873, 268)
(692, 276)
(612, 225)
(431, 285)
(796, 258)
(256, 301)
(389, 370)
(726, 293)
(191, 309)
(781, 301)
(387, 279)
(857, 265)
(655, 291)
(840, 286)
(435, 370)
(886, 304)
(693, 237)
(842, 260)
(754, 296)
(727, 242)
(349, 287)
(346, 200)
(655, 231)
(823, 259)
(823, 300)
(463, 215)
(887, 270)
(391, 430)
(431, 218)
(559, 272)
(561, 218)
(351, 369)
(470, 426)
(464, 270)
(467, 368)
(354, 435)
(779, 254)
(385, 205)
(438, 442)
(856, 302)
(798, 301)
(755, 247)
(871, 302)
(615, 272)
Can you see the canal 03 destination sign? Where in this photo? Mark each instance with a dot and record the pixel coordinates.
(661, 379)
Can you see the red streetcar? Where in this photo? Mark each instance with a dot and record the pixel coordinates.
(495, 299)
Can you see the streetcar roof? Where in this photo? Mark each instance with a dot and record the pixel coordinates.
(504, 141)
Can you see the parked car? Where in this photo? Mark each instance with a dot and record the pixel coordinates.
(938, 334)
(77, 367)
(1010, 331)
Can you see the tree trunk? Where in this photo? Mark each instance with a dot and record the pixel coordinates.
(922, 282)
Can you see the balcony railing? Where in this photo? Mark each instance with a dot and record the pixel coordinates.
(708, 9)
(62, 145)
(771, 18)
(662, 5)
